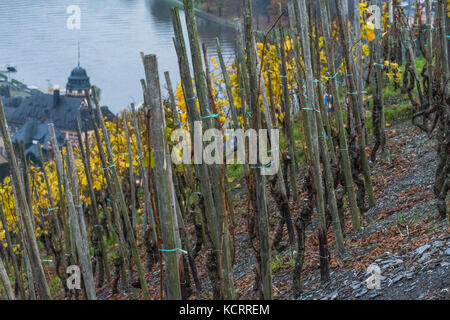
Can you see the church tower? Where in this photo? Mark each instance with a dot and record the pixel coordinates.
(78, 83)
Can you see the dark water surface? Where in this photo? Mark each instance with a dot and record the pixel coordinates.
(34, 37)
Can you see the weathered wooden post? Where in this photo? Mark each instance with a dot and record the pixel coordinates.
(337, 111)
(355, 98)
(444, 38)
(244, 74)
(377, 94)
(118, 228)
(234, 115)
(288, 118)
(12, 254)
(131, 174)
(117, 186)
(260, 181)
(148, 207)
(214, 169)
(80, 241)
(211, 212)
(311, 110)
(6, 282)
(94, 205)
(429, 50)
(285, 211)
(23, 209)
(167, 210)
(172, 101)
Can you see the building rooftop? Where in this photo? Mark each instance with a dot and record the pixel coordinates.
(36, 133)
(55, 108)
(61, 110)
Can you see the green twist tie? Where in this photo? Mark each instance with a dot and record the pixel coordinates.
(262, 167)
(249, 113)
(110, 167)
(317, 81)
(311, 109)
(141, 156)
(334, 76)
(211, 115)
(174, 250)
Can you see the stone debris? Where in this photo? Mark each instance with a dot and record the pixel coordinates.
(422, 249)
(425, 257)
(419, 269)
(402, 276)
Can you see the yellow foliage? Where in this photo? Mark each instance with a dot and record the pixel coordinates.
(370, 31)
(365, 49)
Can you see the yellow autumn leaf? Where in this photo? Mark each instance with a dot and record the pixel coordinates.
(370, 31)
(97, 185)
(321, 42)
(365, 49)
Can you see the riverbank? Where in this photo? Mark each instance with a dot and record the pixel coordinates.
(205, 15)
(13, 88)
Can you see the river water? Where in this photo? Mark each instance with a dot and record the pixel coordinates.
(34, 37)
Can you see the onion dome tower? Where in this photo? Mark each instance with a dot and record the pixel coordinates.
(78, 83)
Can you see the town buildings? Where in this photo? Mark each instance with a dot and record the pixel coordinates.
(28, 117)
